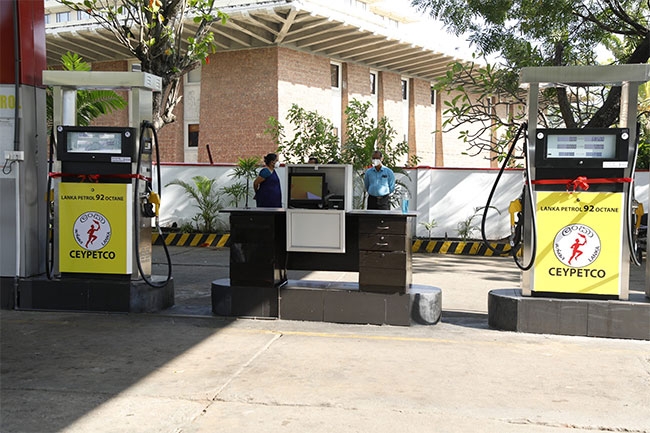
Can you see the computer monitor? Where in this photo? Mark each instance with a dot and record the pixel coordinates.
(307, 190)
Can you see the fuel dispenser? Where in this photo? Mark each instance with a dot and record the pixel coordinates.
(575, 218)
(95, 226)
(581, 186)
(102, 202)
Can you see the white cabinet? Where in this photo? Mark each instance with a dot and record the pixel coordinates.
(320, 231)
(318, 196)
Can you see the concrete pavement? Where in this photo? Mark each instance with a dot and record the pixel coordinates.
(185, 371)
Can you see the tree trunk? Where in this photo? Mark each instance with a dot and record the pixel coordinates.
(560, 92)
(608, 113)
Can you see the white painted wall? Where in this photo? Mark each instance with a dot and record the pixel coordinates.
(446, 195)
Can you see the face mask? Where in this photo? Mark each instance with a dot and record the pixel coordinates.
(376, 162)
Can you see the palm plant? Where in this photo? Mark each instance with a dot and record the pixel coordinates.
(90, 103)
(430, 226)
(467, 227)
(236, 191)
(207, 200)
(247, 169)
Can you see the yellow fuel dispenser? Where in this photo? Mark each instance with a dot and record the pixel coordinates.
(99, 249)
(575, 224)
(95, 200)
(582, 179)
(580, 214)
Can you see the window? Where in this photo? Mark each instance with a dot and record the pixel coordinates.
(335, 110)
(193, 135)
(81, 15)
(47, 18)
(434, 116)
(403, 129)
(374, 90)
(335, 75)
(62, 17)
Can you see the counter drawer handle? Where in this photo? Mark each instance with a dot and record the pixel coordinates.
(383, 228)
(382, 244)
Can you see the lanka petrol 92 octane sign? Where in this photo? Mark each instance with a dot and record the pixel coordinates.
(95, 228)
(579, 242)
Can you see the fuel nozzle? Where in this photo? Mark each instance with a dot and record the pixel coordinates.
(516, 222)
(154, 199)
(150, 203)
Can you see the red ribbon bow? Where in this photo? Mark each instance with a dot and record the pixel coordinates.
(578, 182)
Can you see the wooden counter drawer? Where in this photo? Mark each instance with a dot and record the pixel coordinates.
(388, 225)
(386, 260)
(384, 280)
(383, 242)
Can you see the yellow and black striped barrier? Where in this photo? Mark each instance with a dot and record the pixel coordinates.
(467, 248)
(191, 239)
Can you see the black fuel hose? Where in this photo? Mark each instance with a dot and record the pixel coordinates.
(49, 218)
(512, 250)
(632, 244)
(136, 208)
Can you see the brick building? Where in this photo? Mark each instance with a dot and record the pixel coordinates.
(271, 54)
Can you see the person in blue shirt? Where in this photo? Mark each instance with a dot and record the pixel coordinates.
(379, 182)
(267, 184)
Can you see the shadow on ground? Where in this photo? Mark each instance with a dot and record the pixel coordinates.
(69, 353)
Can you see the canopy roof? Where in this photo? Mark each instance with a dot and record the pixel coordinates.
(356, 35)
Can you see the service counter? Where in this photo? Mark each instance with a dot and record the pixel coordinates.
(377, 245)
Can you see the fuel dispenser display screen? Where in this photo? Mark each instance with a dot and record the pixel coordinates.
(94, 142)
(581, 148)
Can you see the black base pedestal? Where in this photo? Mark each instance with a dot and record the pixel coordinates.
(508, 310)
(88, 294)
(328, 301)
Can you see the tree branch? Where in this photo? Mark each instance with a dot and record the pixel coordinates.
(609, 111)
(590, 17)
(617, 10)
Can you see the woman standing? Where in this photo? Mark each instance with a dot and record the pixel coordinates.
(267, 184)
